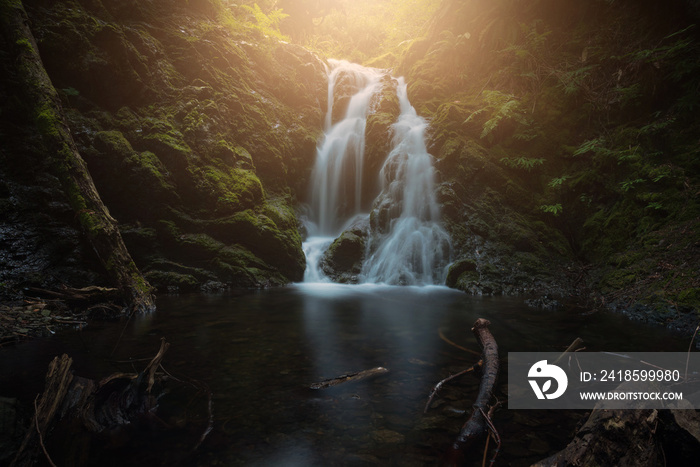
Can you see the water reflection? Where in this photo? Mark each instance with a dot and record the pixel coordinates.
(352, 328)
(260, 351)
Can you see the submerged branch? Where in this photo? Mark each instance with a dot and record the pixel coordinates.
(352, 377)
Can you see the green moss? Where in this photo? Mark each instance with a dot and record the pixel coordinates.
(169, 280)
(233, 155)
(147, 162)
(168, 144)
(113, 141)
(281, 213)
(24, 43)
(343, 259)
(690, 297)
(138, 281)
(227, 190)
(458, 269)
(47, 121)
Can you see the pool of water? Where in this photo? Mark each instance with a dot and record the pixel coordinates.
(258, 352)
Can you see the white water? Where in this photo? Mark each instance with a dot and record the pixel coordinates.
(336, 181)
(410, 247)
(415, 249)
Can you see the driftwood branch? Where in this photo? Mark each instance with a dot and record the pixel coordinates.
(58, 383)
(444, 337)
(576, 345)
(352, 377)
(41, 437)
(151, 368)
(439, 385)
(477, 426)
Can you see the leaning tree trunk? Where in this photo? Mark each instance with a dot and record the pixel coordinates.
(68, 166)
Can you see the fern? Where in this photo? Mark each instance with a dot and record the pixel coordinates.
(592, 145)
(502, 107)
(627, 185)
(522, 162)
(554, 209)
(268, 24)
(555, 182)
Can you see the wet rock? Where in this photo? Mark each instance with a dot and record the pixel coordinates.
(343, 260)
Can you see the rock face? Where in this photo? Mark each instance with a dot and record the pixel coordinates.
(197, 135)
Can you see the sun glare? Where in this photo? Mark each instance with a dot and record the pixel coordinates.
(358, 30)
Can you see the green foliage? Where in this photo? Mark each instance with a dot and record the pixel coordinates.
(627, 185)
(522, 162)
(267, 23)
(71, 92)
(666, 51)
(500, 107)
(557, 181)
(554, 209)
(245, 17)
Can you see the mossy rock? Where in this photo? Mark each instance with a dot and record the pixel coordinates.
(459, 268)
(342, 261)
(469, 282)
(233, 155)
(279, 247)
(142, 176)
(172, 281)
(171, 150)
(225, 190)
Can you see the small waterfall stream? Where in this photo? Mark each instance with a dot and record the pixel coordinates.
(406, 244)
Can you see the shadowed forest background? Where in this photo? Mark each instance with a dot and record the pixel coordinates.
(166, 148)
(564, 134)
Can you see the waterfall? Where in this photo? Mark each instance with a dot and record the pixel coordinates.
(414, 248)
(405, 242)
(336, 181)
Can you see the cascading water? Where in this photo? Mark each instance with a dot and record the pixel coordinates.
(336, 182)
(406, 244)
(413, 248)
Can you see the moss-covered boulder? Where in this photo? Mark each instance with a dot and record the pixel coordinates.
(342, 261)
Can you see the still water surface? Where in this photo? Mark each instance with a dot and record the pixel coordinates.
(258, 352)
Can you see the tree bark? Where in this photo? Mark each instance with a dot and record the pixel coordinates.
(68, 166)
(476, 427)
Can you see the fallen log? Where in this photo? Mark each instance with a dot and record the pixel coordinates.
(73, 411)
(478, 423)
(352, 377)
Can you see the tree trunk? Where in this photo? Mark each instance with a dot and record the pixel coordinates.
(68, 166)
